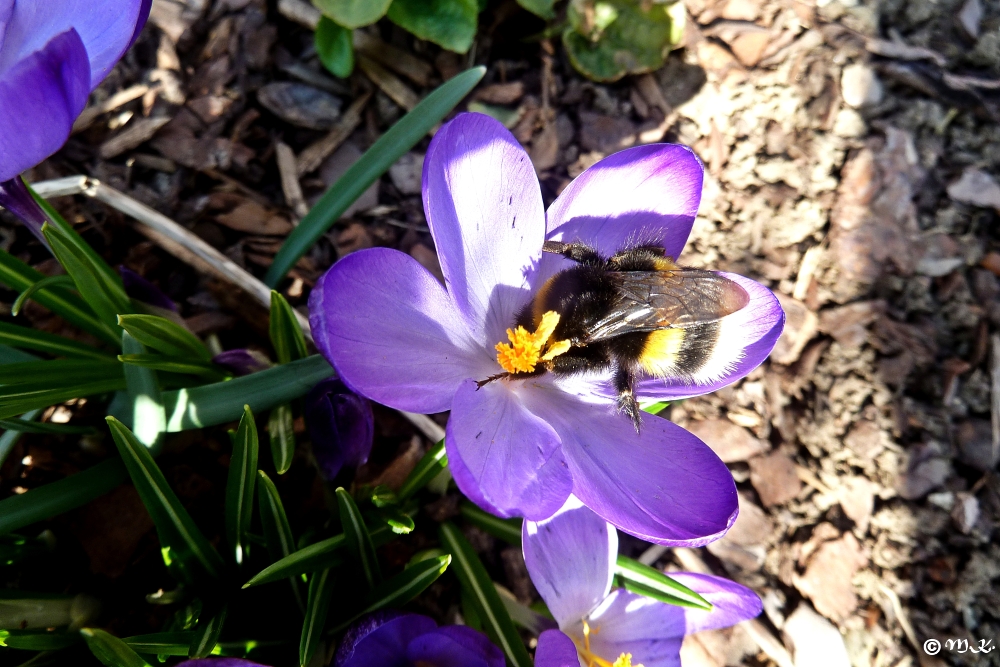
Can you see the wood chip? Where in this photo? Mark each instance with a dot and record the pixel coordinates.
(290, 186)
(314, 154)
(969, 17)
(91, 113)
(388, 83)
(976, 187)
(995, 392)
(399, 61)
(300, 12)
(136, 134)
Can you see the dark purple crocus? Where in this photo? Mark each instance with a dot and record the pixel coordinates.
(519, 447)
(140, 289)
(395, 639)
(571, 560)
(52, 54)
(242, 361)
(341, 426)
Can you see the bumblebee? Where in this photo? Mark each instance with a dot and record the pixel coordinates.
(635, 314)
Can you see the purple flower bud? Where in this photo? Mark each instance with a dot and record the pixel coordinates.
(14, 197)
(341, 426)
(141, 289)
(242, 361)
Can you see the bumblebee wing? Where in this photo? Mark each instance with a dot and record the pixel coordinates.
(651, 300)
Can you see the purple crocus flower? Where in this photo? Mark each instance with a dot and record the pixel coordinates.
(571, 560)
(395, 639)
(519, 447)
(140, 289)
(52, 54)
(242, 361)
(341, 426)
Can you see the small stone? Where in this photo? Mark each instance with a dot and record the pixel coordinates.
(849, 124)
(859, 86)
(857, 499)
(966, 511)
(741, 10)
(774, 478)
(975, 444)
(827, 580)
(976, 187)
(926, 469)
(750, 46)
(299, 104)
(815, 641)
(731, 442)
(407, 172)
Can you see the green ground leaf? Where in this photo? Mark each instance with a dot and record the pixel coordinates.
(483, 596)
(26, 338)
(451, 24)
(543, 8)
(399, 139)
(38, 640)
(174, 525)
(179, 365)
(240, 486)
(160, 334)
(43, 284)
(429, 467)
(111, 651)
(206, 636)
(508, 530)
(286, 335)
(650, 582)
(18, 399)
(57, 373)
(223, 402)
(317, 607)
(359, 541)
(25, 426)
(277, 530)
(334, 47)
(625, 37)
(353, 13)
(148, 419)
(281, 434)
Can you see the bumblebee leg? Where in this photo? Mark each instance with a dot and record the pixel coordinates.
(492, 378)
(627, 405)
(578, 252)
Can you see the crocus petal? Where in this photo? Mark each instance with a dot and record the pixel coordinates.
(341, 426)
(40, 97)
(555, 649)
(140, 289)
(731, 602)
(14, 197)
(392, 331)
(242, 361)
(510, 458)
(454, 646)
(219, 662)
(106, 28)
(570, 558)
(662, 485)
(646, 194)
(381, 639)
(484, 208)
(745, 339)
(629, 623)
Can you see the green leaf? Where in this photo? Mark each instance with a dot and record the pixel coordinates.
(162, 643)
(359, 541)
(652, 583)
(317, 606)
(240, 487)
(181, 365)
(334, 47)
(45, 502)
(206, 635)
(286, 334)
(429, 466)
(281, 433)
(25, 426)
(607, 39)
(353, 13)
(101, 289)
(543, 8)
(451, 24)
(18, 276)
(223, 402)
(110, 650)
(38, 640)
(402, 588)
(484, 597)
(174, 525)
(508, 530)
(148, 419)
(44, 283)
(27, 338)
(18, 399)
(657, 408)
(57, 373)
(160, 334)
(399, 139)
(277, 531)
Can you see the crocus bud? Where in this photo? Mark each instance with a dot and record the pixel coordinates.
(341, 426)
(242, 361)
(140, 289)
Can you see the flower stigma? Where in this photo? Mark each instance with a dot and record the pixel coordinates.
(593, 660)
(527, 349)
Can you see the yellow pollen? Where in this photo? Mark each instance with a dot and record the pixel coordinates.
(526, 349)
(592, 660)
(625, 660)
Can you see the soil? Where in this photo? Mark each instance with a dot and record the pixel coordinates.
(850, 153)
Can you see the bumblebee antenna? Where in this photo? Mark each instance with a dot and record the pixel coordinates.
(481, 383)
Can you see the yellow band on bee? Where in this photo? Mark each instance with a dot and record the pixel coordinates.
(661, 351)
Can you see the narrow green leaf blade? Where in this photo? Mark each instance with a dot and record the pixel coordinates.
(359, 541)
(286, 334)
(22, 398)
(162, 643)
(508, 530)
(334, 47)
(240, 487)
(38, 640)
(148, 419)
(223, 402)
(44, 283)
(174, 524)
(58, 373)
(26, 338)
(429, 466)
(180, 365)
(111, 651)
(399, 139)
(281, 433)
(474, 579)
(405, 586)
(170, 338)
(206, 635)
(277, 530)
(317, 607)
(25, 426)
(652, 583)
